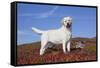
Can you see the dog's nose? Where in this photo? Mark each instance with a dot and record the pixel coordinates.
(68, 25)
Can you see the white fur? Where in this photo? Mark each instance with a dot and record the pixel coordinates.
(57, 36)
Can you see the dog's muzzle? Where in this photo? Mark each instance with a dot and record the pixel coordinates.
(68, 25)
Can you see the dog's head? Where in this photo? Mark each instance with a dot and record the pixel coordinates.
(67, 21)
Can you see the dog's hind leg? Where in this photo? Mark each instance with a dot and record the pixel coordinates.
(44, 46)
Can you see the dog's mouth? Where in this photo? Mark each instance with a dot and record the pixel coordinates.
(68, 25)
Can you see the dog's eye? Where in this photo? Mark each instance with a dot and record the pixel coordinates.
(65, 21)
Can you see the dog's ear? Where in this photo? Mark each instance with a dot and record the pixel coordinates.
(62, 21)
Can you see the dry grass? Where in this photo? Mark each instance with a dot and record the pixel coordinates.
(29, 53)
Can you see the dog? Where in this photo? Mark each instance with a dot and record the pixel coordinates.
(57, 36)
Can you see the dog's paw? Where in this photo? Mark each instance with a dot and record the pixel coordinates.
(67, 52)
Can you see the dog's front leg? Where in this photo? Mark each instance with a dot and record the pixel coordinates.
(68, 46)
(64, 46)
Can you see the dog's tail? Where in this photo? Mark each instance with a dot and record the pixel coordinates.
(37, 30)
